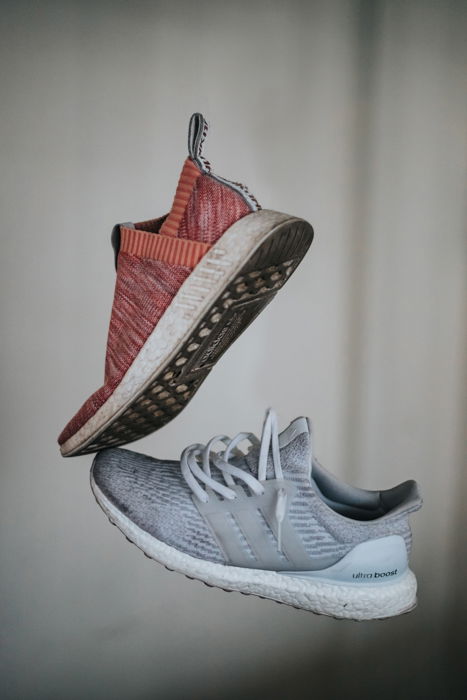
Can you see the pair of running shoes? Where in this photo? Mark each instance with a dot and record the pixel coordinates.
(267, 519)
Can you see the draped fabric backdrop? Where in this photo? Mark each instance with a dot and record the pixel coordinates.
(352, 114)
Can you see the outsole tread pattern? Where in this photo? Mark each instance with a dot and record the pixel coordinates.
(239, 303)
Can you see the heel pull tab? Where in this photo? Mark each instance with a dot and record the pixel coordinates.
(197, 131)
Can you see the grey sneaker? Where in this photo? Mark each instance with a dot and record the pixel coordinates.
(272, 522)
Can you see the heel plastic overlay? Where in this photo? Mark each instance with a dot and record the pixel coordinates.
(379, 561)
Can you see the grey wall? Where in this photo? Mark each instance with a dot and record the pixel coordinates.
(351, 114)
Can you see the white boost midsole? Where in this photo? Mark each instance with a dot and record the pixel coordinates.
(220, 264)
(344, 600)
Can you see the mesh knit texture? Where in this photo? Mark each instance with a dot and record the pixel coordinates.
(154, 495)
(212, 208)
(321, 529)
(143, 290)
(203, 209)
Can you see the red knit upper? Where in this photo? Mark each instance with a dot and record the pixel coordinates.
(149, 273)
(212, 208)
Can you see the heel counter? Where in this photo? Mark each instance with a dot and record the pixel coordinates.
(375, 561)
(205, 205)
(241, 190)
(213, 207)
(401, 501)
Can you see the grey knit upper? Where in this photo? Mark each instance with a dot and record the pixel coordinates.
(154, 495)
(328, 518)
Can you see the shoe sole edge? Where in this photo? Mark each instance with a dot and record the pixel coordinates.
(341, 601)
(253, 241)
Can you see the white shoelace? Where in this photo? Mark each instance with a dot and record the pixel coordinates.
(197, 460)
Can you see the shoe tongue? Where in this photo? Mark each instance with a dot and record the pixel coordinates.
(295, 451)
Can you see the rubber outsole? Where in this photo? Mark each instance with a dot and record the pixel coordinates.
(245, 293)
(342, 602)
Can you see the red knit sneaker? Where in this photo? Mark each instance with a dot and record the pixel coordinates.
(188, 284)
